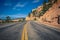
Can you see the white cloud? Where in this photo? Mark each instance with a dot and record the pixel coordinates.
(13, 8)
(7, 4)
(18, 15)
(35, 1)
(20, 5)
(14, 16)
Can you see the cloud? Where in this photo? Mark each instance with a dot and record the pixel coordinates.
(17, 15)
(14, 16)
(7, 4)
(35, 1)
(13, 8)
(20, 5)
(18, 9)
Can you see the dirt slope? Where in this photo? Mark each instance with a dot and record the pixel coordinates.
(51, 16)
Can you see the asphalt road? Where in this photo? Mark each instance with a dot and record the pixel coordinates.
(42, 32)
(11, 32)
(35, 32)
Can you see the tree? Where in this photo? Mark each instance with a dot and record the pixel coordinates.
(34, 18)
(34, 13)
(55, 1)
(8, 19)
(0, 20)
(44, 4)
(20, 20)
(50, 0)
(29, 15)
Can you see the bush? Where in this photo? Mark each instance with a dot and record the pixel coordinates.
(34, 18)
(45, 7)
(8, 18)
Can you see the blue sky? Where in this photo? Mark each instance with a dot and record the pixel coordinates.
(17, 8)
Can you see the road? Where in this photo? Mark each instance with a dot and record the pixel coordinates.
(42, 32)
(28, 31)
(11, 32)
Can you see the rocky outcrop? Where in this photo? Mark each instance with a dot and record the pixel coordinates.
(33, 16)
(51, 16)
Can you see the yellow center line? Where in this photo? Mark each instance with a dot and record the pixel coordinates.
(24, 33)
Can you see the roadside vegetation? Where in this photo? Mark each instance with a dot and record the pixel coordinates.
(46, 5)
(8, 19)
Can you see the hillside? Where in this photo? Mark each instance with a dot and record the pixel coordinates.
(34, 14)
(48, 13)
(51, 16)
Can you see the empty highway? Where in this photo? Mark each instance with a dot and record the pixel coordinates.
(12, 31)
(42, 32)
(28, 31)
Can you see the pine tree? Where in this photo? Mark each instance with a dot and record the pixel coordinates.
(29, 15)
(44, 4)
(8, 19)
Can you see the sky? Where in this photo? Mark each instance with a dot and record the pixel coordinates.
(17, 8)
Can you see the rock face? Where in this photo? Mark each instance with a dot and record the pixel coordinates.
(32, 17)
(51, 16)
